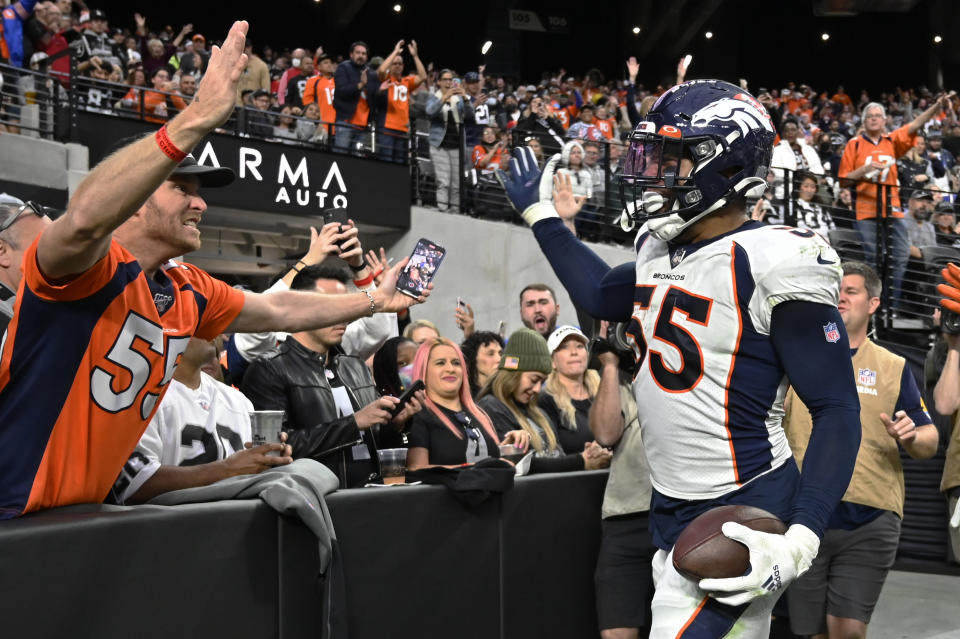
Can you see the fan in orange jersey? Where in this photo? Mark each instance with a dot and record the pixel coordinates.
(606, 125)
(870, 159)
(397, 90)
(103, 312)
(320, 88)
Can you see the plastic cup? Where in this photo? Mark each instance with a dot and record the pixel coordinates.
(393, 464)
(511, 452)
(265, 426)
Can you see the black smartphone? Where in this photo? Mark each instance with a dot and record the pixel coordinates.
(336, 215)
(420, 270)
(407, 396)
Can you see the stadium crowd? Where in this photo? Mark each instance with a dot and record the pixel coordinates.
(883, 168)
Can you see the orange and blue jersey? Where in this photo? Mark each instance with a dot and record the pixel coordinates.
(83, 368)
(861, 151)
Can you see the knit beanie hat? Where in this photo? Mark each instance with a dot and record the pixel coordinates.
(526, 351)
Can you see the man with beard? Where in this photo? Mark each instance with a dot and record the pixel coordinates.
(539, 308)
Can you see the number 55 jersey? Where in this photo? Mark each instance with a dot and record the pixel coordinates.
(83, 367)
(708, 383)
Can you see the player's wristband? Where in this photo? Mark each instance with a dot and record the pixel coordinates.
(167, 146)
(538, 211)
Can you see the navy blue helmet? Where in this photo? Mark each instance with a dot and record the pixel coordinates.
(704, 143)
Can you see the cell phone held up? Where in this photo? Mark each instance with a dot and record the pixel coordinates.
(338, 216)
(421, 268)
(407, 396)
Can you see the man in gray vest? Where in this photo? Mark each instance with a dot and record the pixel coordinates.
(837, 595)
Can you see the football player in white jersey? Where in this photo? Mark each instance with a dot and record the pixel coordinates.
(198, 436)
(724, 313)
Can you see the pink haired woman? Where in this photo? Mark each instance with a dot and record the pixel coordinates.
(451, 429)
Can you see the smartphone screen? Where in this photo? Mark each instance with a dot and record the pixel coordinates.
(420, 270)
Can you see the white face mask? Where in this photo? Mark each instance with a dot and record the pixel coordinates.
(295, 62)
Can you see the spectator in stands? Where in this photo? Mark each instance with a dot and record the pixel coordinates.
(487, 155)
(451, 430)
(810, 215)
(945, 221)
(571, 165)
(329, 398)
(538, 122)
(584, 128)
(870, 160)
(308, 127)
(606, 125)
(473, 82)
(793, 153)
(363, 337)
(510, 399)
(291, 71)
(534, 143)
(199, 435)
(355, 84)
(154, 53)
(509, 113)
(420, 331)
(623, 580)
(393, 365)
(12, 21)
(592, 164)
(319, 90)
(187, 87)
(259, 123)
(256, 75)
(840, 590)
(941, 160)
(920, 230)
(95, 41)
(20, 224)
(481, 352)
(286, 127)
(914, 169)
(396, 90)
(539, 308)
(157, 105)
(570, 388)
(448, 112)
(296, 85)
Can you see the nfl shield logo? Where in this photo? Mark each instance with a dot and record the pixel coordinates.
(831, 332)
(866, 377)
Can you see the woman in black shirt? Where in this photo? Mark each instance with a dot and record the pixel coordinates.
(450, 430)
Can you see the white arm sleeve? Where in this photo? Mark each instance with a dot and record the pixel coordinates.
(253, 345)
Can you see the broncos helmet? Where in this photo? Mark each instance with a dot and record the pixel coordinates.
(725, 134)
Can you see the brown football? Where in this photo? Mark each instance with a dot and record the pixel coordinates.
(703, 552)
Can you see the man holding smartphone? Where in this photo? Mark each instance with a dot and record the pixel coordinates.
(538, 122)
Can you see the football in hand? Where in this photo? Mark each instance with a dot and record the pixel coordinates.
(703, 552)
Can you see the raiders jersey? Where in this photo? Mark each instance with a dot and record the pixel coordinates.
(708, 384)
(191, 427)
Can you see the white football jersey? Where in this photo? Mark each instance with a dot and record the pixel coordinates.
(191, 427)
(709, 386)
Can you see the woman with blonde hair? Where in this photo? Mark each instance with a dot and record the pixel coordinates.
(510, 399)
(570, 388)
(451, 429)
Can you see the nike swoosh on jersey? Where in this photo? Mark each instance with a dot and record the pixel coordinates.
(820, 260)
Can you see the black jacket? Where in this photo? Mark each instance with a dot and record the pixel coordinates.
(346, 94)
(548, 130)
(293, 379)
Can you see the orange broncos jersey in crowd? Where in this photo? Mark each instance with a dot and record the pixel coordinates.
(83, 367)
(320, 90)
(398, 102)
(860, 151)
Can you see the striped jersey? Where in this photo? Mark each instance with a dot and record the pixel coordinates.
(83, 367)
(708, 384)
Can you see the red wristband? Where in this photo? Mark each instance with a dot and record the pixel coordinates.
(367, 281)
(167, 146)
(377, 274)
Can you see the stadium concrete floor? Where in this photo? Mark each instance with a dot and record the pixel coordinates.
(916, 605)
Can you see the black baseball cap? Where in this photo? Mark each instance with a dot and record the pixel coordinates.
(945, 207)
(921, 195)
(98, 14)
(209, 176)
(471, 76)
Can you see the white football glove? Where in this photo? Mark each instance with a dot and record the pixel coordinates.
(775, 561)
(955, 520)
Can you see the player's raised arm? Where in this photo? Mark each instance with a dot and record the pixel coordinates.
(603, 292)
(121, 183)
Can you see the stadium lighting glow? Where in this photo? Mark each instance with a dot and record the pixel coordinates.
(486, 47)
(824, 36)
(636, 30)
(937, 39)
(708, 35)
(397, 8)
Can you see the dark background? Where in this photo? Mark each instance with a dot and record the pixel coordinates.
(880, 45)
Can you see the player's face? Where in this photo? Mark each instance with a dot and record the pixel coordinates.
(173, 214)
(488, 359)
(538, 311)
(330, 336)
(570, 358)
(856, 306)
(528, 386)
(444, 373)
